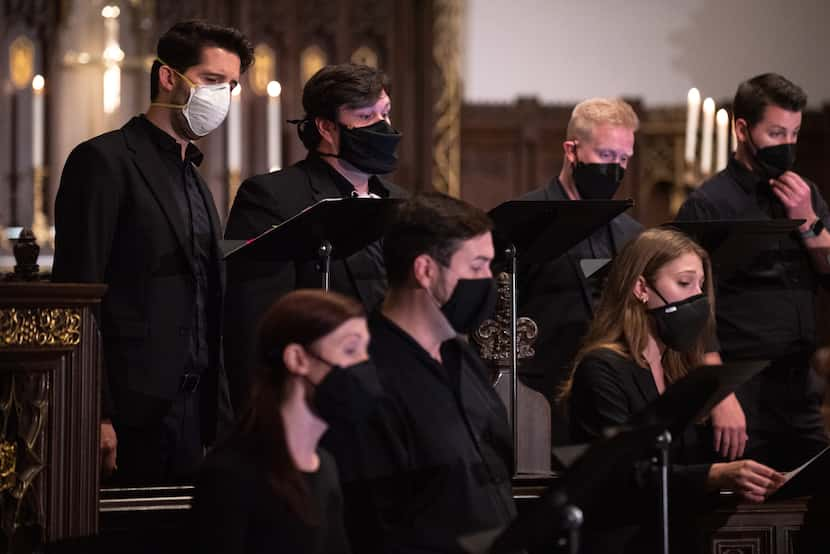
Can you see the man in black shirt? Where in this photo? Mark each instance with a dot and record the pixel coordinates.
(133, 212)
(767, 310)
(350, 142)
(558, 295)
(434, 460)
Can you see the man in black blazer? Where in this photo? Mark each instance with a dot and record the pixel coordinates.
(350, 142)
(557, 295)
(133, 212)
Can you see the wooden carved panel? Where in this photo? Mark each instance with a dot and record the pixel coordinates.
(746, 540)
(49, 413)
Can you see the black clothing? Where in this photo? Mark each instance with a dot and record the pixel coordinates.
(767, 311)
(167, 452)
(434, 460)
(608, 390)
(266, 200)
(558, 297)
(235, 508)
(118, 222)
(197, 229)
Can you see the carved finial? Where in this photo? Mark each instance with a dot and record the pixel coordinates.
(26, 252)
(493, 336)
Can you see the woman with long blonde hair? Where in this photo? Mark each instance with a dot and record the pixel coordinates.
(652, 326)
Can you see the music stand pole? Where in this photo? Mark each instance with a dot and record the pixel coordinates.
(663, 446)
(324, 264)
(510, 253)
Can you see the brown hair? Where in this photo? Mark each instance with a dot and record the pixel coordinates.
(300, 317)
(430, 223)
(182, 45)
(621, 322)
(770, 89)
(600, 111)
(338, 86)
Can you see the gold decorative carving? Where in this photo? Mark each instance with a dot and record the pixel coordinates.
(263, 71)
(8, 464)
(446, 54)
(23, 411)
(312, 60)
(493, 337)
(40, 327)
(21, 62)
(365, 55)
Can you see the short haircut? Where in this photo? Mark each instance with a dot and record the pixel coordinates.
(338, 86)
(600, 111)
(431, 223)
(754, 95)
(181, 48)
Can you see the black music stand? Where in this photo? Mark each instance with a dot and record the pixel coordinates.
(333, 228)
(735, 244)
(681, 404)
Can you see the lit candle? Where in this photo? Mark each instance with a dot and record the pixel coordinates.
(692, 119)
(235, 132)
(274, 128)
(706, 136)
(37, 121)
(722, 121)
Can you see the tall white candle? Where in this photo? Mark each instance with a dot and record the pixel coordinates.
(692, 119)
(722, 121)
(274, 128)
(37, 120)
(706, 136)
(235, 132)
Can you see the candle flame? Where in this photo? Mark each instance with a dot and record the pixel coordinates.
(274, 89)
(722, 117)
(709, 105)
(694, 95)
(38, 82)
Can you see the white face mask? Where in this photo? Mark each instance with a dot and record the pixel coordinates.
(206, 108)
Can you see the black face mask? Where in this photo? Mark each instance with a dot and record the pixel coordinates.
(345, 392)
(370, 149)
(679, 324)
(773, 161)
(472, 301)
(597, 181)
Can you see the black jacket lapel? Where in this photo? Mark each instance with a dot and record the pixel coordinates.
(150, 167)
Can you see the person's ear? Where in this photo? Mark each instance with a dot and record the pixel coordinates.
(295, 359)
(742, 130)
(167, 78)
(569, 148)
(640, 291)
(328, 132)
(425, 270)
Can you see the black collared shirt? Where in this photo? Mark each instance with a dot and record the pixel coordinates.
(191, 204)
(766, 310)
(441, 453)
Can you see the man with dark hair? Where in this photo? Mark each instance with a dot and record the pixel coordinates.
(350, 142)
(434, 460)
(767, 310)
(133, 212)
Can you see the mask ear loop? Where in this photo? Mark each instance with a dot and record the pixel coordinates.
(188, 81)
(657, 292)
